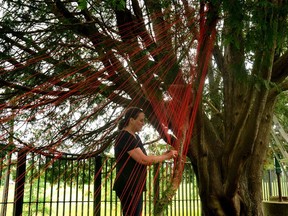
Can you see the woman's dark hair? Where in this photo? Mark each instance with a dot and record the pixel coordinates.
(131, 112)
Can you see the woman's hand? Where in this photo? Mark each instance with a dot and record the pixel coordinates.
(172, 154)
(138, 155)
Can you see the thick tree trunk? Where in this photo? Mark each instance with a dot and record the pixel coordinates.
(209, 168)
(254, 169)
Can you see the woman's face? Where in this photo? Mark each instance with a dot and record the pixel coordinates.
(138, 123)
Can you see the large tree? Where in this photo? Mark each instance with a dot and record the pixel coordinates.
(69, 67)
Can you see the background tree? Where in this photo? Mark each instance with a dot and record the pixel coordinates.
(69, 67)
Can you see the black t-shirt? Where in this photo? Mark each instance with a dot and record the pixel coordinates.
(131, 175)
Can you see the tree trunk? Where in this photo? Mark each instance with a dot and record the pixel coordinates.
(209, 168)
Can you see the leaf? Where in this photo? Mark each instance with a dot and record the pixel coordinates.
(82, 4)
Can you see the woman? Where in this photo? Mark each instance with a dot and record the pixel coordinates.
(132, 161)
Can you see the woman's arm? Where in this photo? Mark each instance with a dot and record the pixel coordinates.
(141, 158)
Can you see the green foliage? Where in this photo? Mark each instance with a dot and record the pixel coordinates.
(281, 110)
(269, 160)
(34, 209)
(82, 4)
(161, 203)
(119, 5)
(69, 172)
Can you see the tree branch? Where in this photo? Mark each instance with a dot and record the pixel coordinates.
(280, 69)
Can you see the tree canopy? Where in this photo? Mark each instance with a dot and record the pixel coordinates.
(208, 72)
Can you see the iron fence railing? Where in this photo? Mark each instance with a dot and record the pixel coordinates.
(33, 184)
(270, 185)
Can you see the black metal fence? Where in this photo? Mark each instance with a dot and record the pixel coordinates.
(271, 186)
(33, 184)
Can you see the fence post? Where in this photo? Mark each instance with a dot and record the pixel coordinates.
(6, 185)
(19, 183)
(270, 183)
(97, 186)
(156, 179)
(278, 173)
